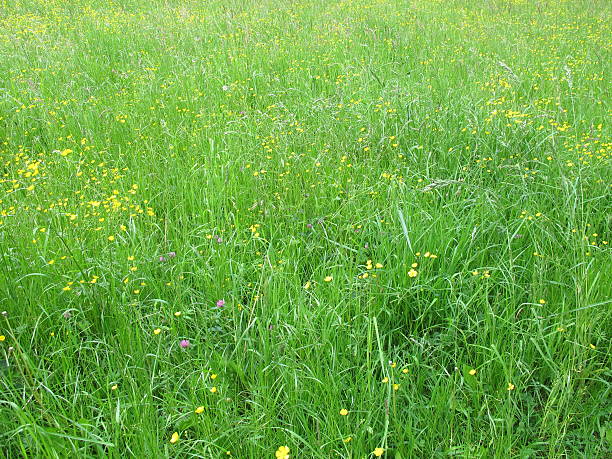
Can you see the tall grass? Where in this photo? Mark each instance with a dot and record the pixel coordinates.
(404, 207)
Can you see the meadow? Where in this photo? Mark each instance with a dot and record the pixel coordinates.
(305, 228)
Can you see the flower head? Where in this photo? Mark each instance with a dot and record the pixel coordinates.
(282, 452)
(343, 412)
(184, 343)
(174, 438)
(378, 452)
(220, 303)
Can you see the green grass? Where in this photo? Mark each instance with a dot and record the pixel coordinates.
(269, 145)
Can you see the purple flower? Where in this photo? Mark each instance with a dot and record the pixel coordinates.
(171, 254)
(162, 258)
(220, 303)
(219, 240)
(309, 225)
(184, 343)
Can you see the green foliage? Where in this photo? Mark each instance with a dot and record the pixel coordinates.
(404, 205)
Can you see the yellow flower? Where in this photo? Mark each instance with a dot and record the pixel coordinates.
(282, 452)
(2, 338)
(379, 265)
(177, 314)
(343, 412)
(66, 152)
(405, 371)
(174, 438)
(347, 439)
(472, 372)
(213, 389)
(328, 279)
(199, 410)
(114, 387)
(412, 273)
(157, 331)
(378, 452)
(396, 386)
(307, 285)
(510, 386)
(385, 380)
(111, 238)
(542, 301)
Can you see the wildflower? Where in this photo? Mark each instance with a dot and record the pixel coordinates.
(174, 438)
(157, 331)
(177, 314)
(111, 238)
(413, 273)
(220, 303)
(213, 376)
(114, 387)
(343, 412)
(2, 338)
(378, 452)
(307, 285)
(162, 258)
(379, 265)
(542, 301)
(405, 371)
(510, 386)
(213, 389)
(67, 315)
(282, 452)
(328, 279)
(396, 386)
(472, 372)
(171, 254)
(347, 439)
(184, 343)
(385, 380)
(392, 364)
(199, 410)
